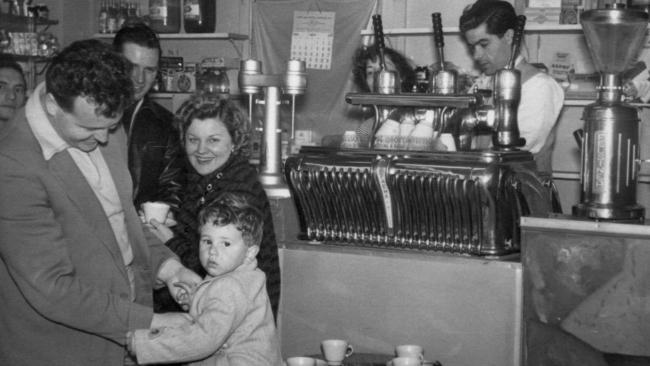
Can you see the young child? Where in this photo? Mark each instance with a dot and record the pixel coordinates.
(232, 322)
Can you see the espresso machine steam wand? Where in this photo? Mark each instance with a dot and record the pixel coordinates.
(610, 138)
(293, 82)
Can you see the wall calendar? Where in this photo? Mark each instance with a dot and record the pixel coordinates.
(312, 38)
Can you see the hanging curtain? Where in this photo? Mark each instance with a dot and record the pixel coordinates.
(322, 108)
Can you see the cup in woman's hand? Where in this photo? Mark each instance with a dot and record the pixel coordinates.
(155, 210)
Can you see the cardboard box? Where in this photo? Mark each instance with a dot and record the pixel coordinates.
(543, 15)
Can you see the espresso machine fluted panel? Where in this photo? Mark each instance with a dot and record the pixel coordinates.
(465, 203)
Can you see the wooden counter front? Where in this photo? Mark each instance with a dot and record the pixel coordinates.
(462, 310)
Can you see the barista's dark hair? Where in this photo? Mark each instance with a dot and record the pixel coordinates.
(235, 208)
(139, 34)
(203, 107)
(90, 69)
(498, 16)
(8, 62)
(369, 53)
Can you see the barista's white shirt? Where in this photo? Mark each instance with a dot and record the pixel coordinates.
(539, 108)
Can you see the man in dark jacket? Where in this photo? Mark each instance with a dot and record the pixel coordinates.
(155, 159)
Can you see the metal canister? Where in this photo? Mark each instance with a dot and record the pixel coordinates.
(248, 68)
(610, 161)
(295, 79)
(444, 82)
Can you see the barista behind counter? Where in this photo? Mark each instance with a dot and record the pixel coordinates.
(488, 28)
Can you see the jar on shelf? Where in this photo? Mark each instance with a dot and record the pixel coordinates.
(165, 16)
(199, 16)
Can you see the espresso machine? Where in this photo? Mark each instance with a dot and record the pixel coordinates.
(610, 138)
(465, 202)
(293, 82)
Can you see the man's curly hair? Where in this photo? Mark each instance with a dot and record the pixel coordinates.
(202, 107)
(90, 69)
(498, 16)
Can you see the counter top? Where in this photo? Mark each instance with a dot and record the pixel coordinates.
(415, 254)
(570, 223)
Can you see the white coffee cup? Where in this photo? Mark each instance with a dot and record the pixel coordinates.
(301, 361)
(409, 350)
(155, 210)
(335, 350)
(406, 361)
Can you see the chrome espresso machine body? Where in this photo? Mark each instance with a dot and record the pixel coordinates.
(465, 202)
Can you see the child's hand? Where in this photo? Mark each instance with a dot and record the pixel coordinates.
(183, 295)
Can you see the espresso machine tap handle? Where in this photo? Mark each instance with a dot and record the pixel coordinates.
(379, 39)
(516, 40)
(438, 37)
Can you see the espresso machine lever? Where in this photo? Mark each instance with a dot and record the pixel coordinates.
(507, 94)
(385, 81)
(443, 81)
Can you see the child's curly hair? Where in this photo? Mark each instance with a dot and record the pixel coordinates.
(235, 208)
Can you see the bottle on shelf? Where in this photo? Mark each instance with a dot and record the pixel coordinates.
(102, 19)
(132, 13)
(199, 16)
(111, 21)
(122, 14)
(165, 15)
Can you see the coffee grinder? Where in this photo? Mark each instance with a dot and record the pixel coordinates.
(610, 138)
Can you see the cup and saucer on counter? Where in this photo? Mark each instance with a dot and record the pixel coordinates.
(410, 355)
(335, 351)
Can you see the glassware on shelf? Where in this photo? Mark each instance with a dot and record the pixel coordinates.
(199, 16)
(165, 16)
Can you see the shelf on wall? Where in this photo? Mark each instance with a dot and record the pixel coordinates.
(17, 23)
(25, 58)
(530, 28)
(206, 36)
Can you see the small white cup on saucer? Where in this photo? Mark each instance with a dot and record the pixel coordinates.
(335, 350)
(410, 350)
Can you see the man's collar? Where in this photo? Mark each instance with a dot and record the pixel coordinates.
(37, 118)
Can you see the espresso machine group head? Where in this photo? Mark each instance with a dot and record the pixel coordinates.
(293, 82)
(610, 138)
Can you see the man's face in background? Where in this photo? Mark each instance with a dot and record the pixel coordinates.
(489, 51)
(145, 67)
(12, 93)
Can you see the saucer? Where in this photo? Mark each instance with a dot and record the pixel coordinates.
(424, 363)
(320, 362)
